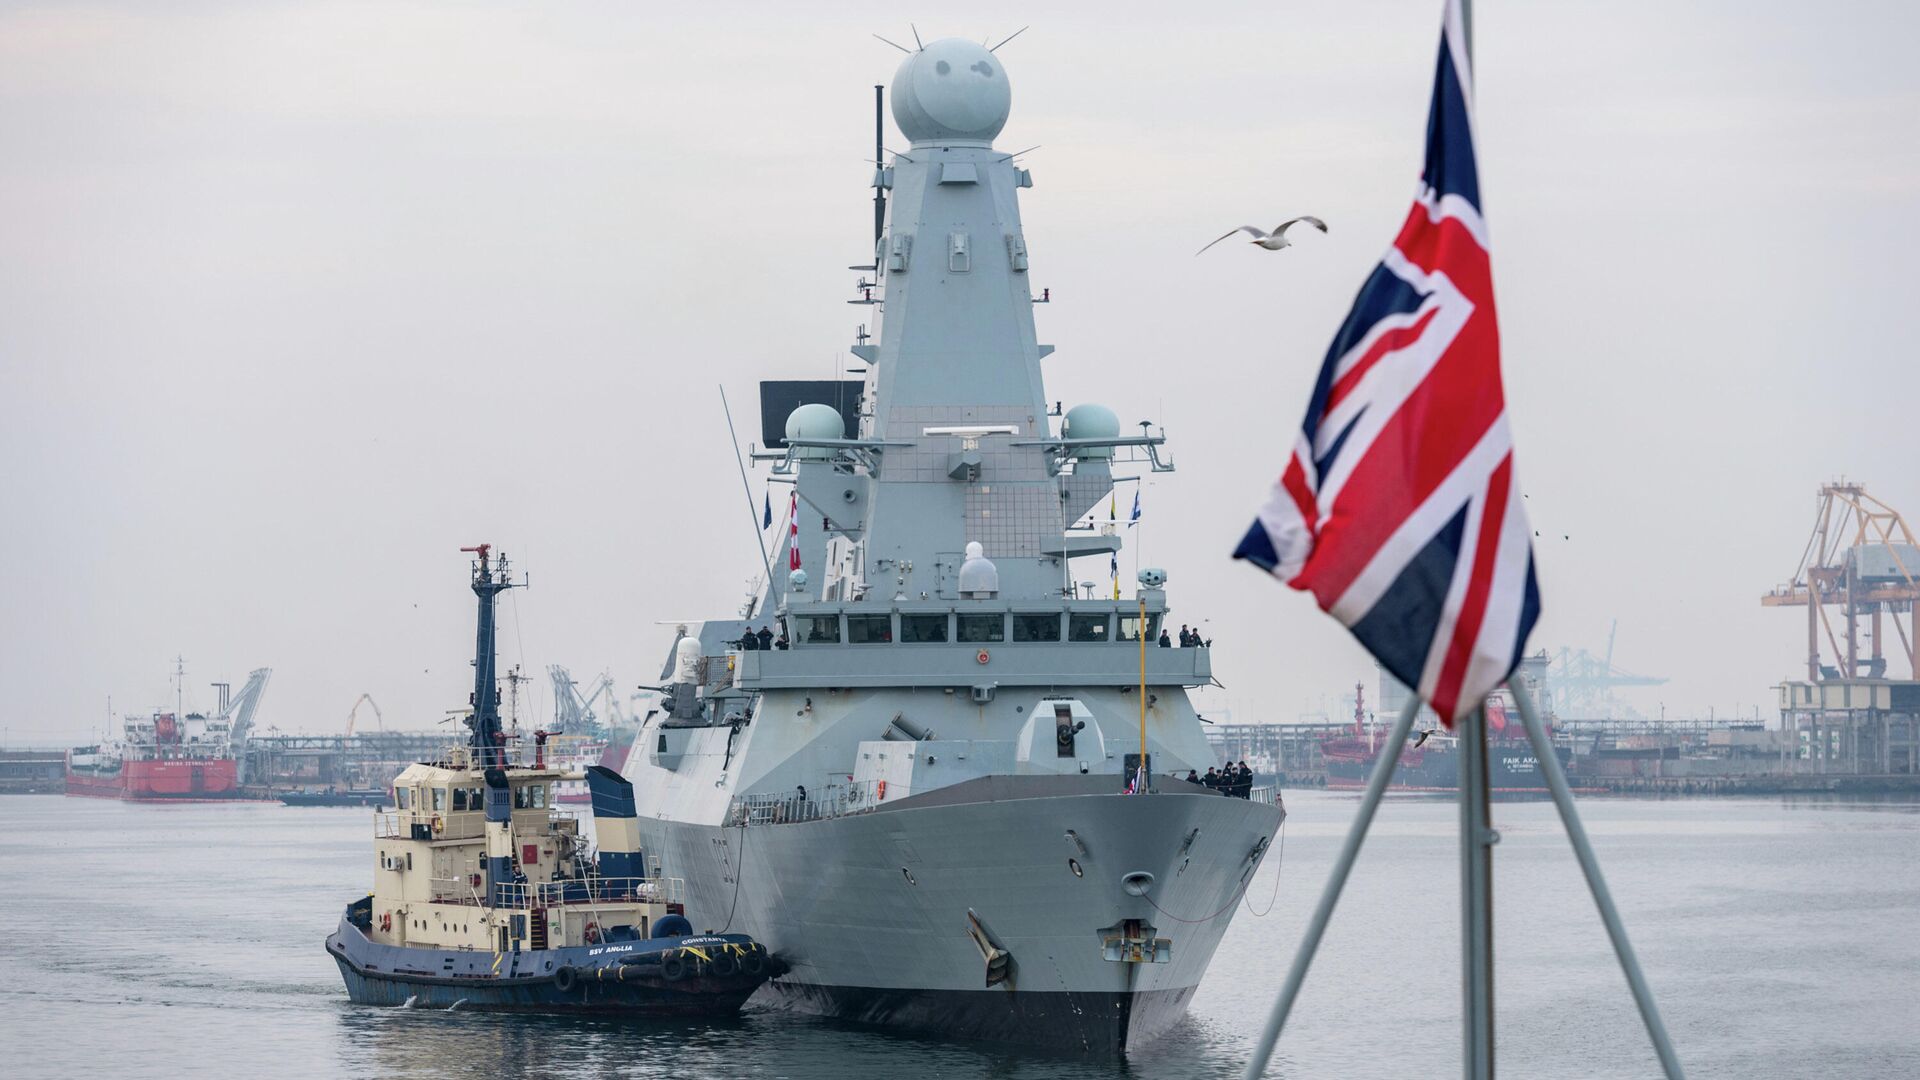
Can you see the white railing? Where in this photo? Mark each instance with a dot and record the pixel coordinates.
(583, 892)
(782, 808)
(1265, 793)
(458, 825)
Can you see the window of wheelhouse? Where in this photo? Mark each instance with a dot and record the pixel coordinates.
(1130, 627)
(439, 799)
(1087, 628)
(1036, 627)
(980, 629)
(819, 629)
(869, 629)
(921, 629)
(403, 798)
(530, 797)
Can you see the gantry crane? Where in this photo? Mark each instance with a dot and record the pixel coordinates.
(1863, 558)
(367, 700)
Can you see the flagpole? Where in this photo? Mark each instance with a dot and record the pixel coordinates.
(1590, 866)
(1477, 838)
(1330, 896)
(1477, 835)
(766, 560)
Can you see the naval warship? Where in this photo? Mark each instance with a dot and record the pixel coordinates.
(947, 796)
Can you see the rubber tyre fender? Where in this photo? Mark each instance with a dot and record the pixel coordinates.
(673, 968)
(723, 965)
(753, 963)
(565, 978)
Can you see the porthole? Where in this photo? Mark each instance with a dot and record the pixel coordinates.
(1074, 865)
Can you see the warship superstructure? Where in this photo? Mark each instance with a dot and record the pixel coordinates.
(928, 797)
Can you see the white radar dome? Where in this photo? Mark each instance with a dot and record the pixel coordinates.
(979, 578)
(953, 90)
(1090, 422)
(815, 421)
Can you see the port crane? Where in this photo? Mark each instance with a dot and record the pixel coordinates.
(1863, 558)
(367, 700)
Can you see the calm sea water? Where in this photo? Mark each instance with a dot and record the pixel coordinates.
(1780, 937)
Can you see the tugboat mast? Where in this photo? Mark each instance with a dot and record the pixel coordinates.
(489, 580)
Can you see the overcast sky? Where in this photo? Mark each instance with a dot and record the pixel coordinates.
(297, 299)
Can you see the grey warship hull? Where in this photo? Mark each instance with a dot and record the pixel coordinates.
(871, 910)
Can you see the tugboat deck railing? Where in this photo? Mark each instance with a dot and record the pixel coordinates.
(458, 825)
(590, 892)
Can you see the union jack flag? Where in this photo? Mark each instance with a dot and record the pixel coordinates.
(1398, 509)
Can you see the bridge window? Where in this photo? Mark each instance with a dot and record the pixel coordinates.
(402, 798)
(1130, 627)
(530, 797)
(460, 798)
(979, 629)
(820, 629)
(439, 799)
(923, 628)
(1087, 628)
(869, 629)
(1036, 627)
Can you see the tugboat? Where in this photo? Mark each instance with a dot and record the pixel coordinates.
(487, 896)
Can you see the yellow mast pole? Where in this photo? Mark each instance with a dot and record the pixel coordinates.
(1142, 635)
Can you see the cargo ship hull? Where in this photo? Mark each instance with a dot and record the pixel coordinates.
(1514, 770)
(170, 780)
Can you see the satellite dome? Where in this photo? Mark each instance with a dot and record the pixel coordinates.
(815, 421)
(952, 91)
(1090, 422)
(978, 576)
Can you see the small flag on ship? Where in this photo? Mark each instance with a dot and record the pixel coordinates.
(793, 532)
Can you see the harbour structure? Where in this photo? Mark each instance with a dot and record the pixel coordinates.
(173, 755)
(489, 896)
(1860, 568)
(580, 737)
(922, 802)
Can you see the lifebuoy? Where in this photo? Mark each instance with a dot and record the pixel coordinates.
(592, 933)
(386, 920)
(438, 825)
(983, 656)
(673, 968)
(565, 978)
(882, 789)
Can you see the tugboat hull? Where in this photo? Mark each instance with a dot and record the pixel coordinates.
(601, 980)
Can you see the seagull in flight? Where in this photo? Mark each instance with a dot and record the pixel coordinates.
(1275, 240)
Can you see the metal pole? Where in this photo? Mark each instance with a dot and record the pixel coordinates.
(1330, 896)
(1590, 866)
(879, 166)
(1476, 897)
(759, 532)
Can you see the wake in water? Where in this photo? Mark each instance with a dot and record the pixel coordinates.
(409, 1003)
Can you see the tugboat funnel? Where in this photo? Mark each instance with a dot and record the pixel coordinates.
(616, 826)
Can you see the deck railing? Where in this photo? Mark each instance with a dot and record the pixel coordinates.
(458, 825)
(586, 892)
(1265, 793)
(780, 808)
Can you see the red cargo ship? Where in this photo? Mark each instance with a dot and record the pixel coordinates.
(167, 756)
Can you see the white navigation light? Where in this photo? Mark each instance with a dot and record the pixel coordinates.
(952, 91)
(979, 578)
(1090, 422)
(815, 421)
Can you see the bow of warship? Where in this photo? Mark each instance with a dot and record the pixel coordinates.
(926, 797)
